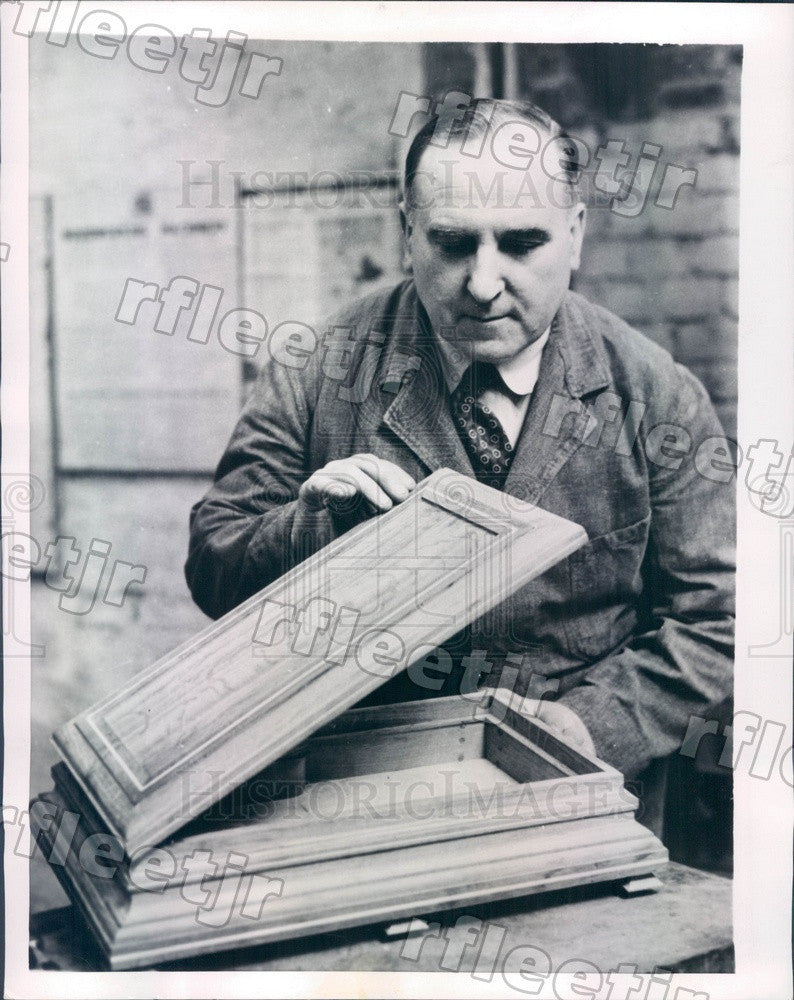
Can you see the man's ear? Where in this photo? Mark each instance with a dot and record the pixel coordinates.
(407, 229)
(405, 221)
(578, 222)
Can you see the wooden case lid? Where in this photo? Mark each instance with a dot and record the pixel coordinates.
(263, 678)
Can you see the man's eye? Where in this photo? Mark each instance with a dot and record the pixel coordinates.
(456, 247)
(520, 247)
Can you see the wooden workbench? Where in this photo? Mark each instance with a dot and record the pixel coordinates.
(684, 927)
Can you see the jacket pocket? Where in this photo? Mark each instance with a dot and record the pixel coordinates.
(606, 585)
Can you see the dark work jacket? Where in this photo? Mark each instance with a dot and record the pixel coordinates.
(633, 631)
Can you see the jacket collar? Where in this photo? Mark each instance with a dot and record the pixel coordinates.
(413, 373)
(584, 357)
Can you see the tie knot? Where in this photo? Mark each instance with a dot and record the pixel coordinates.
(478, 377)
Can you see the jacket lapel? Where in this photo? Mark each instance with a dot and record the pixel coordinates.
(572, 366)
(419, 414)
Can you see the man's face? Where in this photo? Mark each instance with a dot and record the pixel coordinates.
(492, 249)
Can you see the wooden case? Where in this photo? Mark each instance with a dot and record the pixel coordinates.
(226, 797)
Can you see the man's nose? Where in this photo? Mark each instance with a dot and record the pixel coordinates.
(485, 281)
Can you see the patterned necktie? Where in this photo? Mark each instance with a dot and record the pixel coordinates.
(489, 450)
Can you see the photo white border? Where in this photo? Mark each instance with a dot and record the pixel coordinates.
(764, 809)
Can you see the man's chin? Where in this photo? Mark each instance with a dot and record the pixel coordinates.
(493, 341)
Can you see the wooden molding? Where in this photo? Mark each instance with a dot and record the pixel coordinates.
(257, 682)
(443, 849)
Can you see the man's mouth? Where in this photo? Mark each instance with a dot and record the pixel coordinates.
(485, 319)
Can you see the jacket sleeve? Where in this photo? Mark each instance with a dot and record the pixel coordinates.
(637, 703)
(250, 528)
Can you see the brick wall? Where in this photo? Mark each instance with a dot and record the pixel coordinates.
(672, 273)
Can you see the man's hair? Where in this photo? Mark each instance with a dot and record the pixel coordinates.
(475, 121)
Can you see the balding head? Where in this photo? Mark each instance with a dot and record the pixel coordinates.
(515, 134)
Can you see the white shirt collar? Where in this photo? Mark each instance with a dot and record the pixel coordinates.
(520, 373)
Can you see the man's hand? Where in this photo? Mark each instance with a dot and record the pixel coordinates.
(382, 484)
(563, 719)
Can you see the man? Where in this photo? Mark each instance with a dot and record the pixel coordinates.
(486, 360)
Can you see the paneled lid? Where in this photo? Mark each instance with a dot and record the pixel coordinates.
(263, 678)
